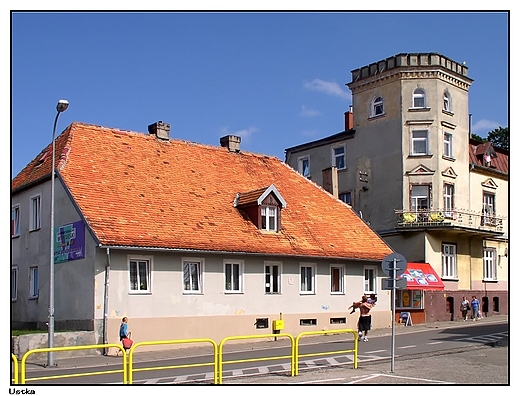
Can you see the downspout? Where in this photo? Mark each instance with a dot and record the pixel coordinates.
(105, 303)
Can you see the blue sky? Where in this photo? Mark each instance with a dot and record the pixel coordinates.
(277, 79)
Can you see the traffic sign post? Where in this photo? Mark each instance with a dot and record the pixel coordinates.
(394, 265)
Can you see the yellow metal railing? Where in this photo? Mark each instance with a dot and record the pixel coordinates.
(23, 378)
(221, 346)
(217, 363)
(131, 368)
(15, 368)
(297, 355)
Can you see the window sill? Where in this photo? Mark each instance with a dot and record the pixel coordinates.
(233, 292)
(489, 280)
(189, 293)
(449, 279)
(35, 229)
(447, 112)
(448, 158)
(372, 117)
(33, 298)
(138, 293)
(15, 236)
(307, 293)
(420, 155)
(419, 109)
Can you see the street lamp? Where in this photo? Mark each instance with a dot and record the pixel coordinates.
(60, 107)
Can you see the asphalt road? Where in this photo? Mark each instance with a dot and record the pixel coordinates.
(434, 354)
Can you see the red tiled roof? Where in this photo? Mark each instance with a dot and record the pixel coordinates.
(477, 151)
(136, 190)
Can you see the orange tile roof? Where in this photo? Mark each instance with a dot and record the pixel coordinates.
(136, 190)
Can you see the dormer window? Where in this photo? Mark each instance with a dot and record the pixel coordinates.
(263, 207)
(269, 216)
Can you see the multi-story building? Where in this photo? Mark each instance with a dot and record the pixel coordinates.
(406, 164)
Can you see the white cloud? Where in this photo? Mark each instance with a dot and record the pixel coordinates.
(482, 127)
(328, 87)
(306, 112)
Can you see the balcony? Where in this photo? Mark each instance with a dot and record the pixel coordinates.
(456, 218)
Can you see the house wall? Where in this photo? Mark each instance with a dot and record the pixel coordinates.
(73, 288)
(168, 313)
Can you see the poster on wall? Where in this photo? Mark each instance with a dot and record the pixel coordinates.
(69, 242)
(416, 299)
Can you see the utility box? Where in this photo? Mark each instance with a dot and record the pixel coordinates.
(278, 324)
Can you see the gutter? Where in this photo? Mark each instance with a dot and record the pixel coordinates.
(105, 303)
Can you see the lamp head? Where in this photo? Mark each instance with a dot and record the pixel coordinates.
(62, 105)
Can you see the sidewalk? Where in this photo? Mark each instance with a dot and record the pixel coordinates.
(100, 360)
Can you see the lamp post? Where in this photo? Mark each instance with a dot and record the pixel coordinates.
(60, 107)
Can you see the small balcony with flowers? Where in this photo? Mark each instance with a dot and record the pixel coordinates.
(456, 219)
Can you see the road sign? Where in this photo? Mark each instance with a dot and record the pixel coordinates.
(388, 283)
(388, 263)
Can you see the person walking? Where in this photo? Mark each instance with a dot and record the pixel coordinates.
(123, 332)
(475, 308)
(365, 318)
(464, 308)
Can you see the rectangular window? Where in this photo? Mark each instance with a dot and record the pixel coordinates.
(269, 218)
(307, 281)
(233, 270)
(412, 299)
(449, 191)
(192, 275)
(33, 282)
(488, 209)
(448, 145)
(14, 283)
(273, 272)
(337, 283)
(419, 142)
(420, 198)
(346, 197)
(35, 213)
(490, 264)
(139, 271)
(304, 166)
(338, 157)
(370, 280)
(449, 260)
(15, 221)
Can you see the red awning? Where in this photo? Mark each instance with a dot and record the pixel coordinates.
(421, 276)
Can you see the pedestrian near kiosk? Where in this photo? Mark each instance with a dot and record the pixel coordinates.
(464, 308)
(475, 308)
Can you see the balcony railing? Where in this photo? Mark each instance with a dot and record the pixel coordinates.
(453, 218)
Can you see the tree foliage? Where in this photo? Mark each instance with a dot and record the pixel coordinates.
(499, 137)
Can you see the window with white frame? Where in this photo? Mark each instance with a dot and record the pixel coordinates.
(446, 105)
(370, 280)
(338, 157)
(346, 197)
(192, 275)
(419, 142)
(307, 278)
(304, 166)
(33, 282)
(337, 279)
(269, 218)
(35, 213)
(419, 197)
(273, 273)
(233, 273)
(490, 264)
(14, 283)
(139, 270)
(449, 192)
(15, 221)
(377, 106)
(449, 260)
(419, 98)
(448, 145)
(488, 209)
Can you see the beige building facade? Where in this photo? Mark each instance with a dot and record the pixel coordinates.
(406, 164)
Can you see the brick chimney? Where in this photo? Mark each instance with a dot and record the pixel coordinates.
(231, 142)
(349, 120)
(160, 129)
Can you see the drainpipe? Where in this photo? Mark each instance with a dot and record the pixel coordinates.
(105, 303)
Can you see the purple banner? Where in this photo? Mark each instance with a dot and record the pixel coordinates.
(69, 242)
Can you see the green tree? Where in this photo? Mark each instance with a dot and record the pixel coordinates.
(499, 137)
(478, 137)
